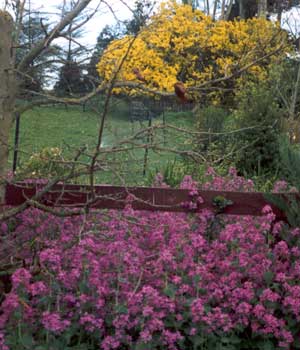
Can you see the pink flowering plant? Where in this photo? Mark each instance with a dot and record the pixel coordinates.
(152, 280)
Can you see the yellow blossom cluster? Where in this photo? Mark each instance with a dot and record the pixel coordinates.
(180, 43)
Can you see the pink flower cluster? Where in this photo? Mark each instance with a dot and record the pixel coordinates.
(231, 182)
(154, 280)
(52, 321)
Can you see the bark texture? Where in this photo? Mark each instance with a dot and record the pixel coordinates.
(7, 92)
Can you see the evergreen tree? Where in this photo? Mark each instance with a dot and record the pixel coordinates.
(108, 34)
(33, 30)
(105, 37)
(70, 80)
(141, 13)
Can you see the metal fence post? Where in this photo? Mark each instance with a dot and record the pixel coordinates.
(16, 142)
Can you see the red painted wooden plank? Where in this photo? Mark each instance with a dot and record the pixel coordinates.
(146, 198)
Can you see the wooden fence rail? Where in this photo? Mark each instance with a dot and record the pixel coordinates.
(143, 198)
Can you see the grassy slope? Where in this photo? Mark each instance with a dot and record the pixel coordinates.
(71, 128)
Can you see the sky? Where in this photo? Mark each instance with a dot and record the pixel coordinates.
(92, 29)
(104, 16)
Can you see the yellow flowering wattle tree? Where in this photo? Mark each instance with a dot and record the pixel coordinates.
(183, 44)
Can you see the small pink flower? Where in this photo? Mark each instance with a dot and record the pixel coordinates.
(146, 336)
(53, 322)
(147, 311)
(295, 232)
(280, 186)
(281, 249)
(176, 279)
(269, 295)
(3, 346)
(267, 209)
(38, 288)
(193, 331)
(3, 228)
(210, 171)
(109, 343)
(21, 276)
(232, 171)
(259, 311)
(287, 336)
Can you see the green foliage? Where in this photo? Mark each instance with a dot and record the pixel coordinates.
(257, 153)
(252, 125)
(172, 173)
(215, 145)
(290, 170)
(70, 79)
(210, 119)
(221, 203)
(286, 75)
(290, 162)
(259, 146)
(140, 15)
(288, 204)
(44, 164)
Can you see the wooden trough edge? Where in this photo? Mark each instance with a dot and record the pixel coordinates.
(142, 198)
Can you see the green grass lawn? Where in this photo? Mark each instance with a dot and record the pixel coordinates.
(71, 128)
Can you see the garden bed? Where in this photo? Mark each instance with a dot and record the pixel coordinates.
(127, 279)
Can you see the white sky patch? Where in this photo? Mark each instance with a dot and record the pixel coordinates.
(104, 16)
(291, 21)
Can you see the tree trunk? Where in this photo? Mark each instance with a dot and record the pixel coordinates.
(7, 93)
(207, 7)
(262, 8)
(215, 9)
(242, 9)
(279, 16)
(223, 9)
(228, 10)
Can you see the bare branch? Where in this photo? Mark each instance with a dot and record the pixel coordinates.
(53, 34)
(88, 17)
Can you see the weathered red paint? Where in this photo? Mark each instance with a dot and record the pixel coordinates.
(145, 198)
